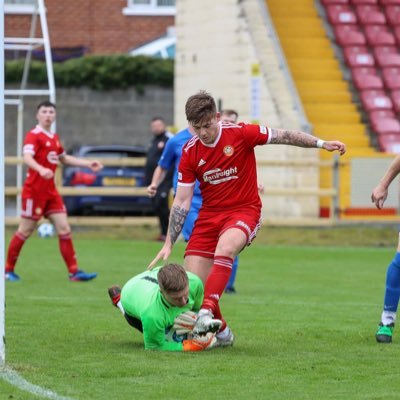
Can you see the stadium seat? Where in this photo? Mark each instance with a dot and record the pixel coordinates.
(370, 2)
(384, 126)
(376, 115)
(327, 2)
(348, 34)
(358, 56)
(387, 59)
(363, 79)
(396, 32)
(378, 35)
(364, 70)
(386, 2)
(369, 15)
(389, 143)
(358, 49)
(395, 96)
(392, 13)
(385, 49)
(391, 77)
(375, 100)
(340, 14)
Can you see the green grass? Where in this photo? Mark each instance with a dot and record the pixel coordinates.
(304, 319)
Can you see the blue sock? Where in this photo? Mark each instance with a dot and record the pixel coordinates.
(392, 292)
(231, 282)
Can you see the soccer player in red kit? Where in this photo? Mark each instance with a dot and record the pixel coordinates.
(221, 156)
(42, 152)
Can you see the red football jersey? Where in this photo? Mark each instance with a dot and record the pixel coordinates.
(46, 149)
(225, 169)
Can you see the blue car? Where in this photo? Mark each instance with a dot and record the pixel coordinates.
(109, 176)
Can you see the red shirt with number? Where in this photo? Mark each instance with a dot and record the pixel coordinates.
(45, 148)
(226, 169)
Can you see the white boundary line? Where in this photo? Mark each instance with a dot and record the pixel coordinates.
(16, 380)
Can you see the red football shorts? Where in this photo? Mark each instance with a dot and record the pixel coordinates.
(210, 226)
(33, 208)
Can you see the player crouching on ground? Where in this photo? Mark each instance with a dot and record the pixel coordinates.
(161, 304)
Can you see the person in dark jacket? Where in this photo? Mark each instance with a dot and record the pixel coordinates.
(160, 200)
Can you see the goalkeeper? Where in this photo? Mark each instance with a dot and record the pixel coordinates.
(154, 302)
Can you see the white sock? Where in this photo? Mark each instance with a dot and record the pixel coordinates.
(119, 305)
(388, 317)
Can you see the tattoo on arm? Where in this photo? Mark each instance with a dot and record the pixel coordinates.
(177, 219)
(292, 137)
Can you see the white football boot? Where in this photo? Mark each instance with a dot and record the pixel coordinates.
(225, 338)
(205, 323)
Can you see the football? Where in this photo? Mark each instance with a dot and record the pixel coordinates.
(46, 230)
(172, 336)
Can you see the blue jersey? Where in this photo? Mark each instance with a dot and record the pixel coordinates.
(172, 156)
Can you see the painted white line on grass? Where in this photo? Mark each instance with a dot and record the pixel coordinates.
(16, 380)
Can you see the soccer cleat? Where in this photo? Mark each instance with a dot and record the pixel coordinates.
(115, 294)
(205, 323)
(230, 290)
(12, 276)
(225, 340)
(80, 276)
(384, 333)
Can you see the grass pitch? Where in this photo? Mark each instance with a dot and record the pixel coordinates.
(304, 319)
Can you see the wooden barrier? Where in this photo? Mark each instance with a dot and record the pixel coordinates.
(130, 191)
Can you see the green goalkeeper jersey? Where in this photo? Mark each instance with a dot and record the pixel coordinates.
(142, 299)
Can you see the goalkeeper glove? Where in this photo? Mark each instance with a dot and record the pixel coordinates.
(198, 343)
(185, 322)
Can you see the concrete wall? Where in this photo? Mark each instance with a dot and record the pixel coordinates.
(85, 116)
(220, 46)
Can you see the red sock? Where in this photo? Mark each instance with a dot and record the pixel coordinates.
(218, 315)
(216, 282)
(14, 248)
(68, 252)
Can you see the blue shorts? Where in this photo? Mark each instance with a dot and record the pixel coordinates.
(191, 217)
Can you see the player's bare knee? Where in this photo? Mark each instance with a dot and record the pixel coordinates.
(63, 230)
(26, 231)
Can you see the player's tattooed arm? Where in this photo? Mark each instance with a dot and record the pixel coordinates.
(292, 137)
(177, 219)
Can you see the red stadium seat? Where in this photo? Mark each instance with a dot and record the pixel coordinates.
(384, 50)
(386, 2)
(375, 100)
(360, 58)
(371, 2)
(340, 14)
(387, 59)
(376, 115)
(393, 14)
(378, 35)
(327, 2)
(364, 80)
(395, 96)
(364, 70)
(370, 15)
(385, 126)
(348, 34)
(396, 31)
(355, 50)
(391, 77)
(389, 143)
